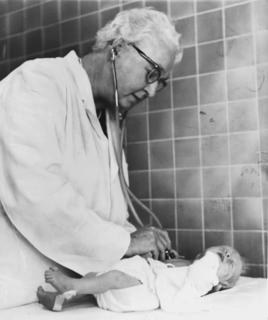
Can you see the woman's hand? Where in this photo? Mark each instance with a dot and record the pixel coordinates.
(149, 241)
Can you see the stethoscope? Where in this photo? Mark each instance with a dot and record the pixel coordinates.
(118, 125)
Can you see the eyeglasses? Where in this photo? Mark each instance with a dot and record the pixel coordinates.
(154, 74)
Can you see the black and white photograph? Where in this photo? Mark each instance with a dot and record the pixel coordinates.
(133, 159)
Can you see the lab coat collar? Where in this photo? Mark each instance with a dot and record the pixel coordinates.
(82, 81)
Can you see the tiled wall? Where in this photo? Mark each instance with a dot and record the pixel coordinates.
(198, 152)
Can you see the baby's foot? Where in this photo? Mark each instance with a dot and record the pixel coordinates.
(51, 300)
(58, 280)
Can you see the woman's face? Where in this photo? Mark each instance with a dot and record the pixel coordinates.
(132, 69)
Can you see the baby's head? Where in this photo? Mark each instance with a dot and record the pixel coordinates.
(230, 268)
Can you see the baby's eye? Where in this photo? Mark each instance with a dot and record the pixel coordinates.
(228, 254)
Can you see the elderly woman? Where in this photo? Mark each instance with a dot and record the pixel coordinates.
(61, 198)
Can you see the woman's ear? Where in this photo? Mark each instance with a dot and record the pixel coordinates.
(118, 45)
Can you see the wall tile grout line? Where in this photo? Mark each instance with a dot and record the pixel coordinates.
(253, 26)
(198, 92)
(228, 127)
(173, 154)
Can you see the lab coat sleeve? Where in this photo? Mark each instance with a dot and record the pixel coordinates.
(37, 196)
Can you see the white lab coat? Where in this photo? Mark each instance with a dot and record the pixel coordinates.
(59, 184)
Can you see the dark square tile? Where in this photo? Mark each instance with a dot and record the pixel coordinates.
(241, 83)
(265, 213)
(69, 9)
(15, 47)
(189, 214)
(74, 47)
(32, 17)
(3, 7)
(108, 15)
(139, 184)
(3, 27)
(240, 52)
(262, 79)
(215, 150)
(88, 6)
(188, 183)
(186, 28)
(206, 5)
(14, 5)
(165, 211)
(245, 181)
(187, 153)
(16, 24)
(158, 5)
(70, 32)
(137, 128)
(3, 70)
(137, 156)
(51, 37)
(186, 122)
(88, 26)
(247, 214)
(216, 182)
(213, 119)
(33, 42)
(243, 115)
(161, 155)
(161, 100)
(264, 145)
(50, 12)
(254, 271)
(212, 88)
(264, 169)
(190, 243)
(180, 9)
(238, 20)
(160, 125)
(188, 64)
(211, 57)
(244, 147)
(217, 214)
(209, 26)
(262, 46)
(263, 113)
(217, 238)
(52, 53)
(142, 214)
(141, 107)
(15, 63)
(162, 184)
(261, 13)
(184, 92)
(249, 245)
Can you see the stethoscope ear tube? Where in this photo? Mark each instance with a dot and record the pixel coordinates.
(117, 136)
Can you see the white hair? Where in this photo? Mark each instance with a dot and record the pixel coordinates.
(136, 24)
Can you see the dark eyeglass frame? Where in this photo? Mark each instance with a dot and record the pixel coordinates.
(162, 82)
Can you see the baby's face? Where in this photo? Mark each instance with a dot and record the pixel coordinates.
(230, 266)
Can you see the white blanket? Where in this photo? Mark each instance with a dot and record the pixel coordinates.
(248, 300)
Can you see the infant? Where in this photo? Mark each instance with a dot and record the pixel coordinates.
(138, 284)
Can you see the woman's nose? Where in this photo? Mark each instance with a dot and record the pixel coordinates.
(151, 88)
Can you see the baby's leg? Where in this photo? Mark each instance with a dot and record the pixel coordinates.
(89, 284)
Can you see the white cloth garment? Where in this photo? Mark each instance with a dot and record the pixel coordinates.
(173, 289)
(59, 184)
